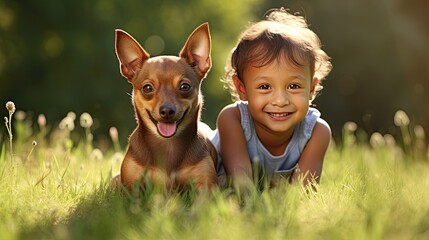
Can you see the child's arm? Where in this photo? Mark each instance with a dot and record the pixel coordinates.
(233, 148)
(311, 160)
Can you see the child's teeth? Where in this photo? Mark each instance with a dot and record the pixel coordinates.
(279, 114)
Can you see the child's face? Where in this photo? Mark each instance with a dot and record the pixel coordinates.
(278, 95)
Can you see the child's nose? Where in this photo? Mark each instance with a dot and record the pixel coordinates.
(280, 98)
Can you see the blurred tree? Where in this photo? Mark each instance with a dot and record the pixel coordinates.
(58, 56)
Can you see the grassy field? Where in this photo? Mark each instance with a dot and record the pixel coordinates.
(56, 186)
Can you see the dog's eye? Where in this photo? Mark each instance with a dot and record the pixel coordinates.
(185, 87)
(147, 89)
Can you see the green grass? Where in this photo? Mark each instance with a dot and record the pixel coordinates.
(59, 189)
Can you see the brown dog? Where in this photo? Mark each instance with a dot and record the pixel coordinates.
(169, 145)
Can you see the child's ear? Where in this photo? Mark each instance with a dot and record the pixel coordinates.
(239, 86)
(313, 88)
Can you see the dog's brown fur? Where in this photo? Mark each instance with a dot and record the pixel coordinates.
(166, 90)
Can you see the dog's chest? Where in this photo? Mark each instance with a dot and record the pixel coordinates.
(168, 156)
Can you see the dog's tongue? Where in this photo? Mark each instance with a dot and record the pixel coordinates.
(166, 129)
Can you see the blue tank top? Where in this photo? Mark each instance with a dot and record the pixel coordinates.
(270, 166)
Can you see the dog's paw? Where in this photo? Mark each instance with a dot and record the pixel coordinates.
(116, 183)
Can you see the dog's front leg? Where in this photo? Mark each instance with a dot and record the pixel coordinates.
(134, 172)
(131, 171)
(116, 183)
(202, 175)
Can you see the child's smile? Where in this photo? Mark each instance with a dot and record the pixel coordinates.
(279, 116)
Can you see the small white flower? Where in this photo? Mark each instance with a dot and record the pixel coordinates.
(377, 140)
(113, 132)
(419, 132)
(117, 157)
(41, 120)
(97, 155)
(86, 120)
(71, 115)
(350, 126)
(67, 123)
(10, 106)
(389, 140)
(401, 119)
(20, 115)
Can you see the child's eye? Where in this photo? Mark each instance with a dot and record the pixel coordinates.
(264, 86)
(294, 86)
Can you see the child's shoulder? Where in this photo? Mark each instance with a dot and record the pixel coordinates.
(322, 130)
(315, 114)
(229, 113)
(233, 108)
(314, 126)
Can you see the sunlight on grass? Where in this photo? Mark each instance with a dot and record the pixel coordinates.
(59, 189)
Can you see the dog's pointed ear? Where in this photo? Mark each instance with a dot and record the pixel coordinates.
(130, 54)
(197, 50)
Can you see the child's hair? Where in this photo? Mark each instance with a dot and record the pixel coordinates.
(281, 35)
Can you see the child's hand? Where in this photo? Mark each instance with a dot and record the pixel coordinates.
(244, 187)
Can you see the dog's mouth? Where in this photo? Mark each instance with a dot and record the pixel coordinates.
(167, 129)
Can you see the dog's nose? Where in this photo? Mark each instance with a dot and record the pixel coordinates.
(167, 111)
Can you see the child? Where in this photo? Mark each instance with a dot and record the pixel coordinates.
(275, 71)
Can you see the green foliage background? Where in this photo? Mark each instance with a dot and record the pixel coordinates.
(58, 56)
